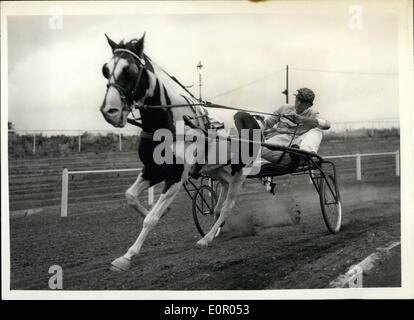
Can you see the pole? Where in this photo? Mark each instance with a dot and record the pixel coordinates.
(199, 66)
(34, 143)
(79, 142)
(199, 85)
(65, 189)
(358, 167)
(397, 163)
(287, 84)
(120, 141)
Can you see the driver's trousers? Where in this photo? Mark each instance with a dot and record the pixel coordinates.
(308, 141)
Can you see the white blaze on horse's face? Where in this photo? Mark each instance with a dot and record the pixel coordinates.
(112, 106)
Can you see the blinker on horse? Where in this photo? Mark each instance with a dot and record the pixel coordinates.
(135, 80)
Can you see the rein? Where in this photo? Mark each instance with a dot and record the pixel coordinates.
(203, 104)
(130, 107)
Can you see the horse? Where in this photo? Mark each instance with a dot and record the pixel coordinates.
(135, 80)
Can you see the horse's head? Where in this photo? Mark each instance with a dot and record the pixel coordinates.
(127, 80)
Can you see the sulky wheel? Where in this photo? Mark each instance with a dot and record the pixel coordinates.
(204, 201)
(330, 204)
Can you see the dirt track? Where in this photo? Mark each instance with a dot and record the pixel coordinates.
(301, 256)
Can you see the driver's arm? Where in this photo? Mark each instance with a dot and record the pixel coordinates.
(273, 119)
(323, 124)
(314, 122)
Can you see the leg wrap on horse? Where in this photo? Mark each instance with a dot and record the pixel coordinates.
(150, 221)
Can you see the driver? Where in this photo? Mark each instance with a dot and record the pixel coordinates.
(296, 126)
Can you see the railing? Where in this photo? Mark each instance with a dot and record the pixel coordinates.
(358, 157)
(65, 186)
(66, 173)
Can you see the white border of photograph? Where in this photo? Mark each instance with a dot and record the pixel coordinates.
(405, 40)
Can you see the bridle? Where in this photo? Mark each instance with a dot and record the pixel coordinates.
(128, 98)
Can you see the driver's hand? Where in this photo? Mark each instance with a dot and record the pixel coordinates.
(295, 118)
(276, 116)
(298, 119)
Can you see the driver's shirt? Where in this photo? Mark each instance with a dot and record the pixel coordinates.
(284, 126)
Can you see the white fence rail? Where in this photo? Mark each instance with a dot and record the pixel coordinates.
(358, 157)
(66, 173)
(65, 186)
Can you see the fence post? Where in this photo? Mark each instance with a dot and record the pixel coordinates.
(120, 141)
(358, 167)
(151, 196)
(79, 142)
(34, 143)
(65, 189)
(397, 163)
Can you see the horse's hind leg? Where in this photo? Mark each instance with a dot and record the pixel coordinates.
(133, 193)
(228, 205)
(224, 187)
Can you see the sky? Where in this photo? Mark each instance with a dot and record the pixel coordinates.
(55, 80)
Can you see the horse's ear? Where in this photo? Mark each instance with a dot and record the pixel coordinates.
(142, 40)
(111, 43)
(138, 45)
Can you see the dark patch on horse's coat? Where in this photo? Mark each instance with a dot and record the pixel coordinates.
(155, 173)
(167, 98)
(156, 118)
(151, 121)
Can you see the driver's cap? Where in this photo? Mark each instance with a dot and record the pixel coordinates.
(305, 95)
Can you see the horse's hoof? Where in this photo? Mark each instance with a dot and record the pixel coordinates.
(120, 264)
(202, 243)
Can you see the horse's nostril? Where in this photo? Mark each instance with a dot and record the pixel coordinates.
(112, 111)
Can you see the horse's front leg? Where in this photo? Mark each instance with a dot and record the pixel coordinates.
(133, 193)
(123, 263)
(229, 202)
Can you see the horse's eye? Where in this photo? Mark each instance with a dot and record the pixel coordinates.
(105, 70)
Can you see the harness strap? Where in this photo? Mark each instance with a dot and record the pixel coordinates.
(123, 93)
(150, 136)
(134, 122)
(146, 135)
(140, 59)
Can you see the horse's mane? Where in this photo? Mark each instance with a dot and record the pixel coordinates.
(135, 45)
(171, 83)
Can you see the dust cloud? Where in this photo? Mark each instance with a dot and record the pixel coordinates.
(251, 217)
